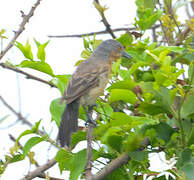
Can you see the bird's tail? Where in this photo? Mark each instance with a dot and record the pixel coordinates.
(69, 123)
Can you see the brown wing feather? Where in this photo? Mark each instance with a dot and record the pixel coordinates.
(83, 79)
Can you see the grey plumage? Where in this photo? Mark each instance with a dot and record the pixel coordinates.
(87, 84)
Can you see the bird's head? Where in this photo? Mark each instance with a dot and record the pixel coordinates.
(112, 49)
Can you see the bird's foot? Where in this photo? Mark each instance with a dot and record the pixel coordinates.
(90, 121)
(89, 115)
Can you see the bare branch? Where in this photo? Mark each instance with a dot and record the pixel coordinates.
(114, 164)
(97, 32)
(40, 169)
(182, 36)
(91, 33)
(118, 162)
(24, 120)
(104, 20)
(88, 172)
(21, 28)
(28, 76)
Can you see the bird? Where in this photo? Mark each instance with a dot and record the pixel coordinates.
(86, 84)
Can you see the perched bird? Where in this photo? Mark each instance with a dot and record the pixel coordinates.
(87, 84)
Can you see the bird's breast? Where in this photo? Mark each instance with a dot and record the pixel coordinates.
(90, 97)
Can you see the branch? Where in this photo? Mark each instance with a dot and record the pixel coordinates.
(88, 172)
(118, 162)
(104, 20)
(42, 175)
(182, 36)
(97, 32)
(21, 28)
(40, 169)
(28, 76)
(20, 117)
(113, 165)
(91, 33)
(24, 120)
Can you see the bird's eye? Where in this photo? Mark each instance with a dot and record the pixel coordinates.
(119, 48)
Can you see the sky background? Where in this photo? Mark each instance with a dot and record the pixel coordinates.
(32, 98)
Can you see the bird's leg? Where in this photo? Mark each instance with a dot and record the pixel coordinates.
(89, 111)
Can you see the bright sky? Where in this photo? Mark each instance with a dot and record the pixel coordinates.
(57, 17)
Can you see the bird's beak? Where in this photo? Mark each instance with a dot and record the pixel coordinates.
(125, 54)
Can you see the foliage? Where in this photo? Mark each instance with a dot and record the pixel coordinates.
(149, 96)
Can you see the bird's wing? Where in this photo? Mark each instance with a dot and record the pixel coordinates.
(83, 79)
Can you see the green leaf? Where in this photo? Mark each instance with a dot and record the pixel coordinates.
(26, 50)
(30, 143)
(115, 142)
(122, 94)
(139, 155)
(127, 84)
(36, 126)
(163, 99)
(104, 109)
(30, 131)
(86, 44)
(118, 174)
(37, 65)
(191, 73)
(78, 62)
(64, 159)
(147, 18)
(160, 49)
(121, 119)
(186, 156)
(133, 142)
(41, 51)
(187, 108)
(125, 39)
(164, 131)
(144, 4)
(78, 164)
(85, 54)
(56, 110)
(188, 170)
(77, 137)
(151, 109)
(17, 157)
(61, 82)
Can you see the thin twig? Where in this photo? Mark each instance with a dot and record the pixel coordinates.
(182, 36)
(20, 117)
(21, 28)
(97, 32)
(38, 171)
(91, 33)
(105, 22)
(28, 76)
(154, 34)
